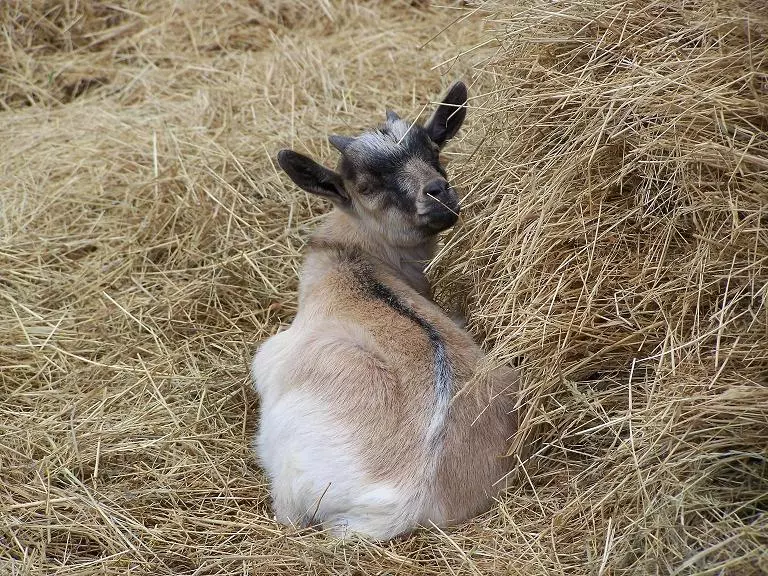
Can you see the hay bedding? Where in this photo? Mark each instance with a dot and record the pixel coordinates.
(614, 241)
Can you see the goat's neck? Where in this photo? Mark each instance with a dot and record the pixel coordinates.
(405, 263)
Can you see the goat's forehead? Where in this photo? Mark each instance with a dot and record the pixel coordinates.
(394, 140)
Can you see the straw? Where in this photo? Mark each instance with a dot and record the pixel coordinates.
(612, 241)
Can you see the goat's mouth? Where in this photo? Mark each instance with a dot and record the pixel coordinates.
(440, 218)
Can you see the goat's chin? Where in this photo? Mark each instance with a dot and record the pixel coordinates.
(437, 222)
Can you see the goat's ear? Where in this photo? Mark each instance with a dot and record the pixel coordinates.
(449, 116)
(312, 177)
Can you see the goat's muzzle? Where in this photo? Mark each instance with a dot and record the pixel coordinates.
(443, 203)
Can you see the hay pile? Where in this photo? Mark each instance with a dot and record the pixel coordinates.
(615, 237)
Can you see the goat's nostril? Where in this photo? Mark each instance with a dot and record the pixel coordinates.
(436, 188)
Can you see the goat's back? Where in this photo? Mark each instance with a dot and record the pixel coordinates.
(371, 443)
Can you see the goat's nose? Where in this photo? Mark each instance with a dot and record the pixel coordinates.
(436, 188)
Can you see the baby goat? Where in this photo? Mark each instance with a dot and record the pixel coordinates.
(361, 427)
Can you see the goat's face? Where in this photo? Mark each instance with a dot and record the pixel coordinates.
(396, 183)
(391, 179)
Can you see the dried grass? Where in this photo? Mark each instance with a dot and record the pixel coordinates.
(615, 237)
(617, 242)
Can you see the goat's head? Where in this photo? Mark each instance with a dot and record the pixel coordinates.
(391, 179)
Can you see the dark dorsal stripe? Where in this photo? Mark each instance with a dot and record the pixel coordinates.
(441, 366)
(373, 288)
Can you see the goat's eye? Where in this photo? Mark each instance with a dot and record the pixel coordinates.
(364, 188)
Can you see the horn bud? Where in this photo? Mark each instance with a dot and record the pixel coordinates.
(340, 142)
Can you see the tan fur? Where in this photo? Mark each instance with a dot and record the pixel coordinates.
(393, 357)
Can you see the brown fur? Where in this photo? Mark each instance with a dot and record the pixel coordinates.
(395, 357)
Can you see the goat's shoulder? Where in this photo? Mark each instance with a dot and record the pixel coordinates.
(342, 281)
